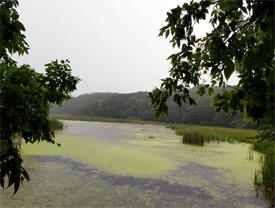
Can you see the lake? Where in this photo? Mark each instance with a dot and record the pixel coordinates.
(101, 164)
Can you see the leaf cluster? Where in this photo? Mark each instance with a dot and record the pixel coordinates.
(12, 39)
(25, 96)
(241, 42)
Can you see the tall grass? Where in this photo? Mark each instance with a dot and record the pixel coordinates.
(193, 134)
(264, 181)
(55, 124)
(101, 119)
(194, 138)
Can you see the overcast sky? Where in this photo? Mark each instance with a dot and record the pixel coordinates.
(113, 45)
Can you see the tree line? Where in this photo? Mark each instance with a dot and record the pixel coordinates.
(137, 106)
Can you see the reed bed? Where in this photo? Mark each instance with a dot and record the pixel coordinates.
(264, 180)
(55, 124)
(194, 134)
(101, 119)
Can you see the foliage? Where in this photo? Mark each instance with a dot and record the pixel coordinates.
(25, 96)
(12, 39)
(264, 180)
(262, 142)
(100, 119)
(193, 138)
(241, 42)
(55, 124)
(136, 106)
(210, 133)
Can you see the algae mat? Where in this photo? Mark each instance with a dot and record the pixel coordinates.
(120, 159)
(127, 165)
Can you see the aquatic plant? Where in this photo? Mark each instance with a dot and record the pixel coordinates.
(151, 136)
(192, 134)
(55, 124)
(196, 138)
(264, 181)
(102, 119)
(263, 142)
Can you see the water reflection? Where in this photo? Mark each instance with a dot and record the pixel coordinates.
(110, 132)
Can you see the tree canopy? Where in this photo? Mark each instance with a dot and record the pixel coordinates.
(241, 42)
(137, 106)
(25, 96)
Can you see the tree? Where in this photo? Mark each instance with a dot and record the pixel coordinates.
(25, 96)
(242, 41)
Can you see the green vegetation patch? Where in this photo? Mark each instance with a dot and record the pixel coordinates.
(139, 156)
(55, 124)
(109, 157)
(208, 133)
(230, 159)
(100, 119)
(263, 142)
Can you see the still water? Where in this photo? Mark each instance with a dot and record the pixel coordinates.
(128, 165)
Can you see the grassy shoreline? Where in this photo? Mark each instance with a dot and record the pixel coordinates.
(264, 181)
(55, 124)
(102, 119)
(208, 133)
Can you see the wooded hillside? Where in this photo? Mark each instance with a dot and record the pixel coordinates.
(137, 106)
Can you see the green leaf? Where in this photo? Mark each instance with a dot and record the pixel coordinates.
(16, 186)
(201, 91)
(229, 70)
(167, 33)
(210, 91)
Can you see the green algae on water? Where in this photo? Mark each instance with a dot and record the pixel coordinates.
(134, 171)
(115, 158)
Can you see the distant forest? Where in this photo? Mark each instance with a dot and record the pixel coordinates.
(137, 106)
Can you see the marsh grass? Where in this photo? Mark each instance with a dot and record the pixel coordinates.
(250, 154)
(193, 134)
(101, 119)
(194, 138)
(55, 124)
(264, 181)
(151, 136)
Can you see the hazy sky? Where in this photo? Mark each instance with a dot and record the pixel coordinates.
(113, 45)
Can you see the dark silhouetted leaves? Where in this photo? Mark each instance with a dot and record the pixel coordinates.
(238, 43)
(25, 96)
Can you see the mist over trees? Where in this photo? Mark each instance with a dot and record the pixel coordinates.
(137, 106)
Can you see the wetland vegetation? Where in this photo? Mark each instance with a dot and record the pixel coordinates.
(142, 164)
(264, 179)
(55, 124)
(201, 135)
(208, 133)
(103, 164)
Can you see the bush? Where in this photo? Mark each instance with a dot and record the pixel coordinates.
(55, 124)
(264, 180)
